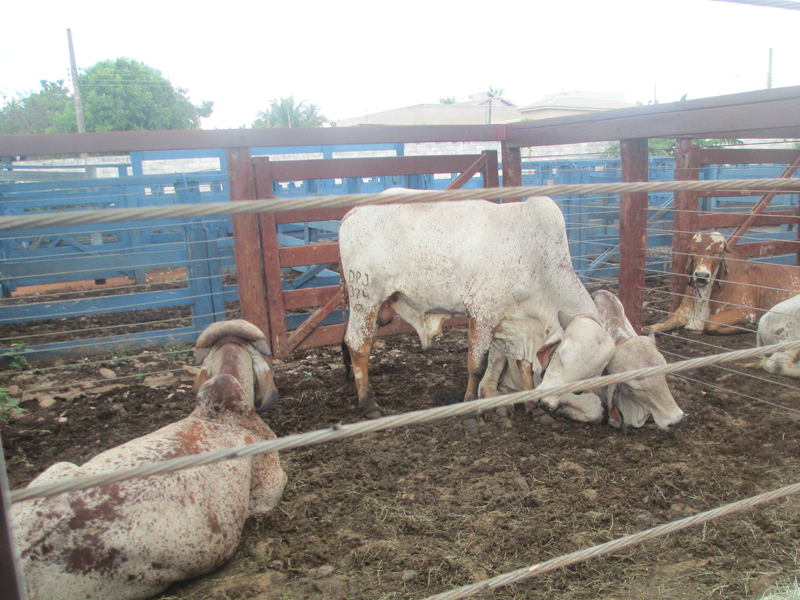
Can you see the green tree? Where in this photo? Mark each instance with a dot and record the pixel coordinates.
(126, 95)
(666, 146)
(47, 111)
(119, 95)
(285, 112)
(447, 100)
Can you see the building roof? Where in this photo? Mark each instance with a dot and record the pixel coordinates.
(579, 101)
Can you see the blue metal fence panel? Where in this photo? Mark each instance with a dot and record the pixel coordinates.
(205, 247)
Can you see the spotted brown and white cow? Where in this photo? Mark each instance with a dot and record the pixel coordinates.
(506, 266)
(252, 362)
(131, 540)
(725, 291)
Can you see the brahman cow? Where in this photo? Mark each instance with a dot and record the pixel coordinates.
(781, 324)
(251, 363)
(624, 405)
(632, 402)
(506, 266)
(131, 540)
(725, 291)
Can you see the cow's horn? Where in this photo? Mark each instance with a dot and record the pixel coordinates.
(564, 319)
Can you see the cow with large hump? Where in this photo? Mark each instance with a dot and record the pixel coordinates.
(506, 266)
(726, 292)
(130, 540)
(624, 405)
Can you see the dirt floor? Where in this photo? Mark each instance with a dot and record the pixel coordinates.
(418, 511)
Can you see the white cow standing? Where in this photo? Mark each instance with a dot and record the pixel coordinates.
(781, 324)
(506, 266)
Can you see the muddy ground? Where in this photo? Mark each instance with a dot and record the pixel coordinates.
(414, 512)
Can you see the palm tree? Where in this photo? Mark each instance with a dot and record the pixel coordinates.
(447, 100)
(284, 112)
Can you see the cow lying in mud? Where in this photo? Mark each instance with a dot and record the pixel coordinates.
(624, 405)
(725, 291)
(506, 266)
(131, 540)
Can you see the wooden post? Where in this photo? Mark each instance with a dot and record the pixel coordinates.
(247, 251)
(512, 165)
(491, 178)
(684, 209)
(270, 258)
(633, 231)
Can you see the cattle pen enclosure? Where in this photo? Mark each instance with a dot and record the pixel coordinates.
(423, 509)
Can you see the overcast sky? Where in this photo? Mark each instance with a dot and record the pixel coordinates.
(353, 57)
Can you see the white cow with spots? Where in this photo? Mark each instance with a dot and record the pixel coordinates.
(131, 540)
(506, 266)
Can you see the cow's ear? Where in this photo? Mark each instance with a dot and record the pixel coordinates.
(201, 378)
(722, 274)
(545, 353)
(564, 319)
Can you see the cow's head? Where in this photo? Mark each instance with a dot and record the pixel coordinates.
(581, 350)
(707, 258)
(246, 345)
(632, 402)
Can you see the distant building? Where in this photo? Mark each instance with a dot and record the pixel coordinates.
(573, 103)
(476, 111)
(480, 108)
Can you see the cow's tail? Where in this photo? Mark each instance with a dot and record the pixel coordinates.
(348, 364)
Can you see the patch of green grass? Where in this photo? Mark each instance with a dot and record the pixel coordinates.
(9, 407)
(181, 353)
(17, 357)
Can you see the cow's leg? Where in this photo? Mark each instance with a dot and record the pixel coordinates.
(726, 322)
(526, 371)
(480, 338)
(361, 332)
(478, 343)
(680, 318)
(488, 387)
(783, 363)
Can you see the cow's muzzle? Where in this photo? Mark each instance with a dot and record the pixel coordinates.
(701, 278)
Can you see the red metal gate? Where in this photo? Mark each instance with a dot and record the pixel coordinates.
(259, 257)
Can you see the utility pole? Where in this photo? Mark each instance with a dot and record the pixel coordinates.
(769, 71)
(77, 94)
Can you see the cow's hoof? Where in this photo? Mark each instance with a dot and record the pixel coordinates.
(470, 424)
(374, 414)
(501, 412)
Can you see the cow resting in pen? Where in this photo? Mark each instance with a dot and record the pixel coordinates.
(725, 291)
(781, 324)
(506, 266)
(623, 405)
(131, 540)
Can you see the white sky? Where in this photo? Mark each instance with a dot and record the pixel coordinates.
(352, 57)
